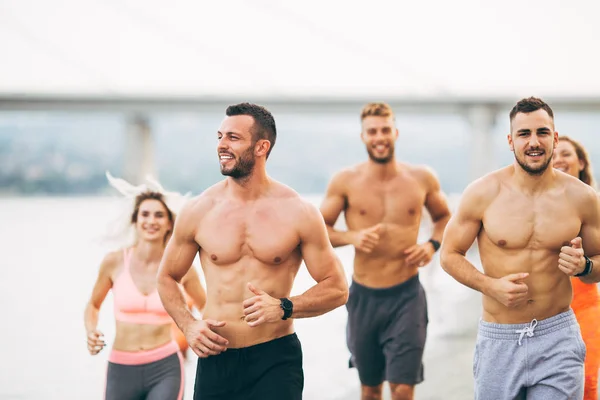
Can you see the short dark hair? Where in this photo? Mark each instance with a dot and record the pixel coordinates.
(529, 105)
(264, 123)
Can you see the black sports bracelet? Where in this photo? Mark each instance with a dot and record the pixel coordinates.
(435, 243)
(589, 266)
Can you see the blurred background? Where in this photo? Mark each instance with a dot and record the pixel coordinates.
(140, 87)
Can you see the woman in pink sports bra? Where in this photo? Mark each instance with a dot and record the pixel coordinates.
(145, 361)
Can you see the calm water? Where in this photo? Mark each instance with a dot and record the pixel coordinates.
(50, 260)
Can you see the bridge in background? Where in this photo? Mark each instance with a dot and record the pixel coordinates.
(481, 114)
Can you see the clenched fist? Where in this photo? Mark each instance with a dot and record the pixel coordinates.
(570, 259)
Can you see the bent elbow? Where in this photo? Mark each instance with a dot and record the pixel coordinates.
(339, 295)
(445, 257)
(162, 279)
(344, 291)
(343, 297)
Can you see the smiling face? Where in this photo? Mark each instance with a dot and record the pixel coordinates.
(379, 135)
(153, 222)
(532, 140)
(236, 146)
(566, 159)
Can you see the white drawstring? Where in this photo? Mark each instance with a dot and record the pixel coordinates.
(527, 330)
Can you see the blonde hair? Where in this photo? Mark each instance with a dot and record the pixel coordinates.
(376, 110)
(585, 175)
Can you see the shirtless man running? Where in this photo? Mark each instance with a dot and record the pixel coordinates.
(382, 202)
(535, 227)
(252, 234)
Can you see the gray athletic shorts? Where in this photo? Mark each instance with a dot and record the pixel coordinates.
(541, 360)
(386, 332)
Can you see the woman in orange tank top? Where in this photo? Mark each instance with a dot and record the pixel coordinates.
(145, 361)
(572, 158)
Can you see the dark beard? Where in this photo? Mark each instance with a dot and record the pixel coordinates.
(532, 171)
(383, 160)
(243, 167)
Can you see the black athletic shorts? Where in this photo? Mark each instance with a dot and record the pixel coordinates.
(386, 332)
(266, 371)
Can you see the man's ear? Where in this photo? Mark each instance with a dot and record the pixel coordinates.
(262, 147)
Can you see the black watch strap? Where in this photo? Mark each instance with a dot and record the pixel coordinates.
(287, 306)
(589, 266)
(435, 243)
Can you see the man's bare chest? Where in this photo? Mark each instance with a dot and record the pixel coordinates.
(395, 202)
(535, 224)
(227, 236)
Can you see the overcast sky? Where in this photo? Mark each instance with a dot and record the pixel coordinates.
(308, 48)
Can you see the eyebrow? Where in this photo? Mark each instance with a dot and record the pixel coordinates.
(544, 129)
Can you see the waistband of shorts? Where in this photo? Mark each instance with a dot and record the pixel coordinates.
(407, 285)
(543, 327)
(144, 356)
(283, 340)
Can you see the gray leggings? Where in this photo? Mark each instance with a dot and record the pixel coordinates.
(158, 380)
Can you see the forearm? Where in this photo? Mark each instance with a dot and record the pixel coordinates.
(90, 317)
(439, 225)
(325, 296)
(195, 291)
(594, 276)
(174, 301)
(457, 266)
(339, 238)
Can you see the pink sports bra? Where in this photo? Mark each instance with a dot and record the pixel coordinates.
(130, 305)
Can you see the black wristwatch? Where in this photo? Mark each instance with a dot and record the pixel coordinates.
(589, 266)
(435, 243)
(288, 307)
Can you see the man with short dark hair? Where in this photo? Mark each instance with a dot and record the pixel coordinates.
(535, 227)
(252, 233)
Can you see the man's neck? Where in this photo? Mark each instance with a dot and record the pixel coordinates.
(383, 171)
(249, 187)
(530, 183)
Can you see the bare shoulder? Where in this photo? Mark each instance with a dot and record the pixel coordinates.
(199, 205)
(577, 191)
(297, 206)
(111, 262)
(425, 174)
(483, 190)
(190, 217)
(342, 178)
(308, 216)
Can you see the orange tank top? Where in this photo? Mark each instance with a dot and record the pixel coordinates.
(130, 305)
(585, 295)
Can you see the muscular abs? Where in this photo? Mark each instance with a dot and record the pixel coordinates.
(241, 244)
(397, 205)
(521, 234)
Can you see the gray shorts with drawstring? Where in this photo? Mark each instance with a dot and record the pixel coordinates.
(537, 360)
